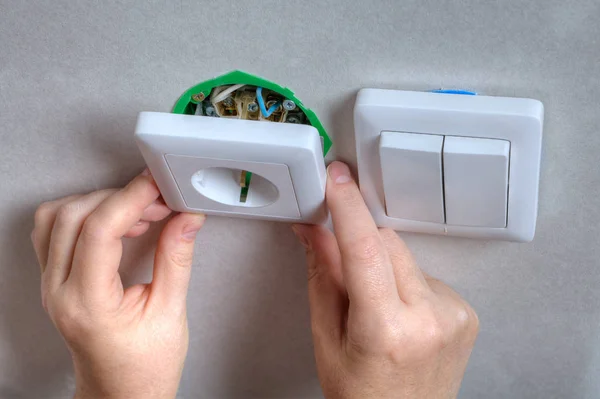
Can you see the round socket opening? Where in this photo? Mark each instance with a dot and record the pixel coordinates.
(233, 187)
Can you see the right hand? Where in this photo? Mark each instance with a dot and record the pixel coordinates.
(381, 327)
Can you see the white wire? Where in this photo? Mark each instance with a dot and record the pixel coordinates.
(222, 95)
(215, 92)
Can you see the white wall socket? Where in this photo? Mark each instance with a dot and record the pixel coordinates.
(198, 161)
(450, 164)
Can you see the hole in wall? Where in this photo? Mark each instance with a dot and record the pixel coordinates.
(224, 185)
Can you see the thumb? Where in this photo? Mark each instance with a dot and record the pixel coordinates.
(326, 293)
(173, 259)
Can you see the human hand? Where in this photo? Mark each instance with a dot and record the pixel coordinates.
(381, 327)
(124, 343)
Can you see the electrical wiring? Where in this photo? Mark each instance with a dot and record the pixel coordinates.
(453, 91)
(261, 103)
(215, 92)
(219, 96)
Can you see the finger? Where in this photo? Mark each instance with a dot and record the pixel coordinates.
(44, 219)
(325, 287)
(139, 229)
(155, 212)
(366, 266)
(69, 221)
(409, 278)
(173, 260)
(99, 247)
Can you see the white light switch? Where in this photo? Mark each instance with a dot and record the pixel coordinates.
(411, 165)
(476, 181)
(483, 137)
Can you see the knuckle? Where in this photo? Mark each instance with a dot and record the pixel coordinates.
(180, 257)
(432, 335)
(94, 229)
(43, 213)
(68, 213)
(462, 316)
(316, 268)
(313, 272)
(139, 186)
(467, 318)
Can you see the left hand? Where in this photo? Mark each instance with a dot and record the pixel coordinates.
(125, 343)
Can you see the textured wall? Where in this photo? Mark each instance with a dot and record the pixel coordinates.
(74, 74)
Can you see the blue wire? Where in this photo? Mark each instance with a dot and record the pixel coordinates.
(261, 103)
(452, 91)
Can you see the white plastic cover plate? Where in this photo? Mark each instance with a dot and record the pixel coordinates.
(517, 122)
(197, 163)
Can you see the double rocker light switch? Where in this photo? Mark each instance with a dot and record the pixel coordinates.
(450, 164)
(459, 181)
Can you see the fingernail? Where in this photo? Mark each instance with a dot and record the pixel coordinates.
(339, 172)
(297, 229)
(191, 230)
(146, 172)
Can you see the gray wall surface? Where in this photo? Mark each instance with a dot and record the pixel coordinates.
(74, 75)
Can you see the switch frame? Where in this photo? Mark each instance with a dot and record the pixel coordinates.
(517, 120)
